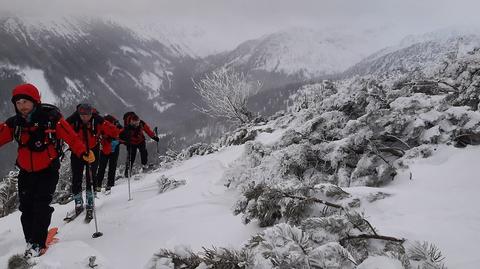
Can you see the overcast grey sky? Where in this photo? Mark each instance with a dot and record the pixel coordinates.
(244, 19)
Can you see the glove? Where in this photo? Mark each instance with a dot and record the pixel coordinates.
(156, 138)
(115, 144)
(89, 157)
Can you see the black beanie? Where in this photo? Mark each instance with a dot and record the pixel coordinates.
(17, 97)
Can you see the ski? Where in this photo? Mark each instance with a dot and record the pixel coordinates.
(72, 215)
(51, 239)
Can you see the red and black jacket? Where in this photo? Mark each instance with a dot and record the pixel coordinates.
(97, 129)
(37, 149)
(133, 135)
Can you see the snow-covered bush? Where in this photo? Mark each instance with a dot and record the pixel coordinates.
(165, 183)
(194, 150)
(426, 256)
(209, 258)
(8, 194)
(237, 137)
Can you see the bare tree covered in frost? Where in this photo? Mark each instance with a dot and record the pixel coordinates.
(225, 93)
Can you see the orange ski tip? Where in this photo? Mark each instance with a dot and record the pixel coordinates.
(51, 239)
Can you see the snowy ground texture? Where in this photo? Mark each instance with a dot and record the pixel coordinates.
(196, 214)
(438, 204)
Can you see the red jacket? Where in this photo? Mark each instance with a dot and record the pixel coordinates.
(133, 135)
(107, 140)
(97, 129)
(34, 161)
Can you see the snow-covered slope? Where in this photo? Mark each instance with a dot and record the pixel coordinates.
(196, 214)
(438, 204)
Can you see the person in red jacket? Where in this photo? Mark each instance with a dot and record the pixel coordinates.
(90, 127)
(133, 137)
(38, 128)
(108, 156)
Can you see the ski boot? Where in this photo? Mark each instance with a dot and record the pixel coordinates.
(108, 190)
(33, 250)
(78, 204)
(89, 214)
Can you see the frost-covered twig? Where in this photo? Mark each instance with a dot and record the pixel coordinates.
(316, 200)
(400, 140)
(370, 236)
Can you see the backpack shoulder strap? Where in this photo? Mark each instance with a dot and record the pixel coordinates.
(12, 122)
(52, 112)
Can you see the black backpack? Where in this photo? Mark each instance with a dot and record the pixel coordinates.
(75, 121)
(45, 118)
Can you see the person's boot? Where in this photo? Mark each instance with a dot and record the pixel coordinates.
(27, 249)
(34, 251)
(89, 213)
(108, 190)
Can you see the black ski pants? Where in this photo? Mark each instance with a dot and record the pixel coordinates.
(35, 191)
(110, 160)
(131, 154)
(78, 166)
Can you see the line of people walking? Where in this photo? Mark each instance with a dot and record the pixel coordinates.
(94, 141)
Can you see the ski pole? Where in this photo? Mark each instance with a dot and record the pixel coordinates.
(89, 175)
(129, 169)
(156, 134)
(96, 233)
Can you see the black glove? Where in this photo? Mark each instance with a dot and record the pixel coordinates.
(156, 138)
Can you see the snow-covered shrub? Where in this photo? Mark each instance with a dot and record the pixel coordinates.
(180, 258)
(371, 170)
(260, 203)
(310, 95)
(290, 201)
(209, 258)
(426, 256)
(8, 194)
(196, 149)
(238, 137)
(290, 137)
(326, 127)
(63, 193)
(165, 183)
(283, 246)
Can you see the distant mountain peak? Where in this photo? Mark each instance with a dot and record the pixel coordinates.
(302, 51)
(420, 52)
